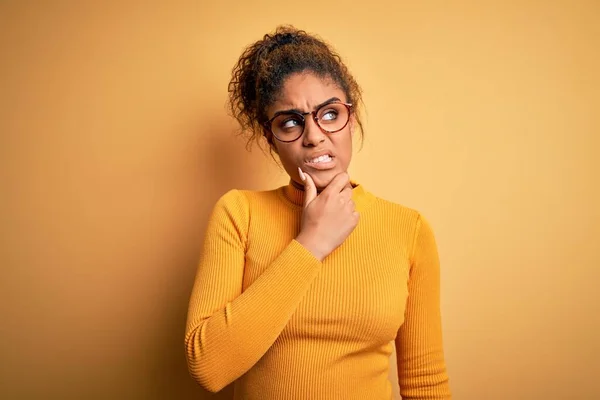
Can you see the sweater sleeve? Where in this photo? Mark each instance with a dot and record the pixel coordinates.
(419, 350)
(228, 330)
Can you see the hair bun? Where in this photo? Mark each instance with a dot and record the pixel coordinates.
(285, 38)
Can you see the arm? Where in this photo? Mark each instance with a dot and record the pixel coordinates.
(419, 351)
(228, 331)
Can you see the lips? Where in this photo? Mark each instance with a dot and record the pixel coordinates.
(320, 160)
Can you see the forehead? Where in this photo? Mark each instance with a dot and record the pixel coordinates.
(304, 91)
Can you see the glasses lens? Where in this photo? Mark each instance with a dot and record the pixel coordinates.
(333, 117)
(287, 127)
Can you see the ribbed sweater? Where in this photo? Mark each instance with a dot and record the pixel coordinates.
(266, 314)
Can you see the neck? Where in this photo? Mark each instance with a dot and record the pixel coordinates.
(294, 193)
(300, 186)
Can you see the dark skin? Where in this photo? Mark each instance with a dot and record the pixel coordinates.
(328, 215)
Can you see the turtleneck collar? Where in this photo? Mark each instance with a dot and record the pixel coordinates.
(294, 195)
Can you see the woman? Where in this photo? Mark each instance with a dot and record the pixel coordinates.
(301, 290)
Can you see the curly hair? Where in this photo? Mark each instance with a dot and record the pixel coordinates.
(259, 75)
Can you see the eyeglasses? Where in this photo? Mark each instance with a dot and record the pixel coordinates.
(288, 126)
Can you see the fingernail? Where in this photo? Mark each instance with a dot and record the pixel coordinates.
(301, 174)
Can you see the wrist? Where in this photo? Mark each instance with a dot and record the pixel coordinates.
(312, 246)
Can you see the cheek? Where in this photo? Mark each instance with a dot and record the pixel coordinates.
(288, 156)
(344, 147)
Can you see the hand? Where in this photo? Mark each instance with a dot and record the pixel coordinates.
(327, 218)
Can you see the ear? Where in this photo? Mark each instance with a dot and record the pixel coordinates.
(352, 124)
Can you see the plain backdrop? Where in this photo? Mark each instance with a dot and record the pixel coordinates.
(115, 143)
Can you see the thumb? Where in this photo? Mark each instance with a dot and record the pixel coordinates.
(310, 190)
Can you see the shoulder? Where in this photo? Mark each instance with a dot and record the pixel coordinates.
(409, 219)
(233, 211)
(232, 200)
(242, 201)
(396, 210)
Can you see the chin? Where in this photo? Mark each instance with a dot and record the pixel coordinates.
(323, 178)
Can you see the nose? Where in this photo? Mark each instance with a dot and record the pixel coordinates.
(313, 135)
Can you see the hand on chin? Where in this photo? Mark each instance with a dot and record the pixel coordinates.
(322, 178)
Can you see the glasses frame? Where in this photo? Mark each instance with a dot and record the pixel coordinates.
(268, 124)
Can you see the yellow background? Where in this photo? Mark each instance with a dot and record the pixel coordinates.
(115, 144)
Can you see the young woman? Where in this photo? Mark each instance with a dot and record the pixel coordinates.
(301, 290)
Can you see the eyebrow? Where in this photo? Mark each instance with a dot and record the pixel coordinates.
(297, 111)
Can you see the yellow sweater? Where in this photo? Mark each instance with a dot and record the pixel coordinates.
(283, 325)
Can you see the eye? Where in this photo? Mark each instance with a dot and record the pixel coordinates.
(289, 123)
(329, 115)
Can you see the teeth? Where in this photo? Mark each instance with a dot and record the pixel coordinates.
(324, 158)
